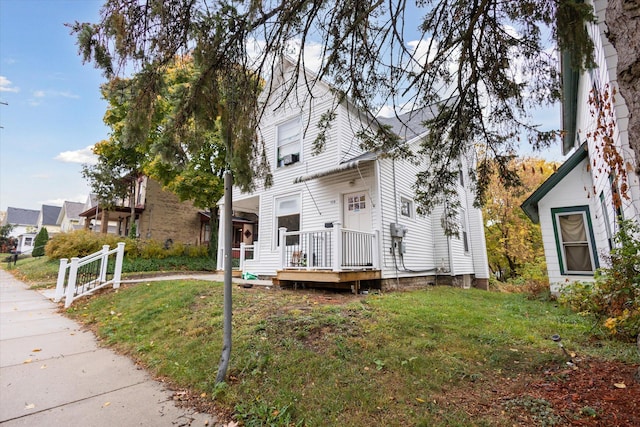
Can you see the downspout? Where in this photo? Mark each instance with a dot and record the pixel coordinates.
(376, 167)
(395, 208)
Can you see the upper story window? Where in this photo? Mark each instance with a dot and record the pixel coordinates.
(288, 142)
(464, 235)
(574, 240)
(406, 207)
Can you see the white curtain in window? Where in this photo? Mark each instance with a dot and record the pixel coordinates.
(572, 227)
(289, 132)
(574, 242)
(287, 206)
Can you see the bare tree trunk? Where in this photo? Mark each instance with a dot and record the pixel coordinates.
(623, 22)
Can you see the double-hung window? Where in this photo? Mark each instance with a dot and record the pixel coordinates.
(289, 142)
(574, 240)
(288, 216)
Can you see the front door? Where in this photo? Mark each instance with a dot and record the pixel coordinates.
(357, 211)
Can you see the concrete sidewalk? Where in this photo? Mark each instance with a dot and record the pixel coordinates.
(54, 374)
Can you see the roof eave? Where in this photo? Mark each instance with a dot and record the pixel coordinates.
(530, 206)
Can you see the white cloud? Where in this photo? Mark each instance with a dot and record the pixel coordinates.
(7, 86)
(84, 155)
(54, 94)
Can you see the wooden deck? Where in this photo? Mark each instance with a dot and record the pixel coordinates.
(327, 279)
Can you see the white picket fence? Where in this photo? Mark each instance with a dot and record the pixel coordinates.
(82, 276)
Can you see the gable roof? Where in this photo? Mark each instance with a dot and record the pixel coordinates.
(530, 206)
(19, 216)
(72, 210)
(50, 214)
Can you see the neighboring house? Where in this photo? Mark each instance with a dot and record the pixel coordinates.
(575, 206)
(25, 226)
(345, 217)
(48, 218)
(158, 215)
(69, 218)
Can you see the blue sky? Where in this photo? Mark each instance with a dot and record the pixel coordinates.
(54, 112)
(54, 109)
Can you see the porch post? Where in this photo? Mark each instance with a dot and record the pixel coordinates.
(376, 249)
(337, 246)
(282, 241)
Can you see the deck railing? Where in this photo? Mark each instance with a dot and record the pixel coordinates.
(82, 276)
(335, 249)
(238, 256)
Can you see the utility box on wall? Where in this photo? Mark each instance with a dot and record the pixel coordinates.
(398, 230)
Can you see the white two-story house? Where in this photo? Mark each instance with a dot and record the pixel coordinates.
(346, 217)
(575, 206)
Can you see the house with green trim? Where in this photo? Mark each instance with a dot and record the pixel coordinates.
(580, 205)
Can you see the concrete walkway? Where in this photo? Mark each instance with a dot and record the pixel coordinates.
(52, 373)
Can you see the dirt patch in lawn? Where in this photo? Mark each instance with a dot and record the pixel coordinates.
(595, 393)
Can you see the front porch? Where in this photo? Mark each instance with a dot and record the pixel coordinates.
(332, 257)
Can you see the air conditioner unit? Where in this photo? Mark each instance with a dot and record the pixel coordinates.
(290, 159)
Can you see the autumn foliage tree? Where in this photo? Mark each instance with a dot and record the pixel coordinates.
(513, 241)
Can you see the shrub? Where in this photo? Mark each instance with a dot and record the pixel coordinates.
(81, 243)
(614, 296)
(40, 242)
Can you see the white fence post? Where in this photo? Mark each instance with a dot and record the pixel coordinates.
(283, 247)
(62, 273)
(117, 272)
(337, 252)
(104, 261)
(242, 255)
(71, 284)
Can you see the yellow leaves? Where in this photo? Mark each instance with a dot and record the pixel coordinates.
(619, 385)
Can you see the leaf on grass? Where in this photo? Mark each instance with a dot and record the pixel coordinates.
(203, 395)
(620, 385)
(420, 400)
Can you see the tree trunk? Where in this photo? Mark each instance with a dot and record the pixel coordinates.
(623, 22)
(214, 222)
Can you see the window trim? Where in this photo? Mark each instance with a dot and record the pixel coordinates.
(412, 211)
(276, 201)
(464, 231)
(591, 241)
(298, 120)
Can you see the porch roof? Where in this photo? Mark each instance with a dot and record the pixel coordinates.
(344, 166)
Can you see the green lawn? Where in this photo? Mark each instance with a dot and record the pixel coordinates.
(310, 358)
